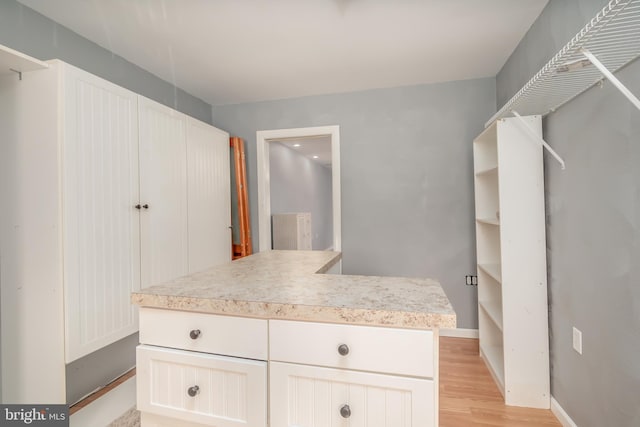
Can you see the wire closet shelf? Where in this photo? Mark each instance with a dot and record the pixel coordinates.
(612, 36)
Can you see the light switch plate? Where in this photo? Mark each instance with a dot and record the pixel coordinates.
(577, 340)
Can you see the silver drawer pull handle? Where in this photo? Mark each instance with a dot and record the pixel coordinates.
(343, 349)
(345, 411)
(192, 391)
(194, 334)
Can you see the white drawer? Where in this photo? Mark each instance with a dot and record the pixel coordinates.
(304, 396)
(231, 336)
(202, 388)
(374, 349)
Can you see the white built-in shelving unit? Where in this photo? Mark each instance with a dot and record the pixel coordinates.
(509, 191)
(511, 254)
(104, 192)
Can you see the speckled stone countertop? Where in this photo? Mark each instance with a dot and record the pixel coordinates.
(288, 285)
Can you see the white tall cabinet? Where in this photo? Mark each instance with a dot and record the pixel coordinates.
(184, 192)
(102, 191)
(511, 255)
(292, 231)
(98, 149)
(208, 193)
(163, 192)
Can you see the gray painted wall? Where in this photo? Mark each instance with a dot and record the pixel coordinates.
(557, 24)
(406, 171)
(593, 230)
(27, 31)
(300, 185)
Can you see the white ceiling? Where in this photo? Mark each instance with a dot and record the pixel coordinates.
(315, 148)
(234, 51)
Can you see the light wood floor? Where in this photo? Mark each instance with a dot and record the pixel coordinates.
(469, 397)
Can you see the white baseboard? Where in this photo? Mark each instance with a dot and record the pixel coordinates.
(107, 408)
(560, 414)
(459, 333)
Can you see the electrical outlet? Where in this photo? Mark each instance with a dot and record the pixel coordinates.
(577, 340)
(471, 280)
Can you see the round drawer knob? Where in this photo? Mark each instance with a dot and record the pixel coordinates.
(193, 391)
(345, 411)
(343, 349)
(194, 334)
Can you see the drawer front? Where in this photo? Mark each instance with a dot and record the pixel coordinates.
(386, 350)
(231, 336)
(309, 396)
(201, 388)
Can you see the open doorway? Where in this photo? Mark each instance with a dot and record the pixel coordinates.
(285, 139)
(300, 186)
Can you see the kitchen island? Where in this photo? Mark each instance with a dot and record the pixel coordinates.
(269, 340)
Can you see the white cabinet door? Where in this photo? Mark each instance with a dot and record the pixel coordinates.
(202, 388)
(101, 225)
(307, 396)
(163, 193)
(304, 231)
(209, 196)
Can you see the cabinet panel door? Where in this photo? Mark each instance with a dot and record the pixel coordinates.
(230, 392)
(308, 396)
(101, 226)
(163, 188)
(209, 196)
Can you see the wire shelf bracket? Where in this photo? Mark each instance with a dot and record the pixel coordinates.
(613, 79)
(537, 138)
(610, 41)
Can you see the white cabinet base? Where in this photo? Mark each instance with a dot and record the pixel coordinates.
(388, 377)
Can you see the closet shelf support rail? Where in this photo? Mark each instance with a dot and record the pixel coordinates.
(613, 79)
(538, 138)
(613, 35)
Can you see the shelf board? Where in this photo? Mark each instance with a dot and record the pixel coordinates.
(487, 172)
(489, 221)
(18, 62)
(493, 310)
(493, 356)
(493, 270)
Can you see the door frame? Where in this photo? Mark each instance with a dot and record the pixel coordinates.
(263, 137)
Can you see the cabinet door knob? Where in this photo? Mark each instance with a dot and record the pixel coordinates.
(145, 206)
(193, 391)
(343, 349)
(138, 206)
(194, 334)
(345, 411)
